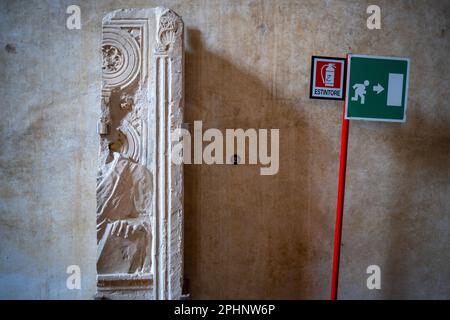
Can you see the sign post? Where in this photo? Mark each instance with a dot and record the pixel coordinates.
(377, 90)
(340, 204)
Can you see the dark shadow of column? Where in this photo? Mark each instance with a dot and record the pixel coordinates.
(246, 235)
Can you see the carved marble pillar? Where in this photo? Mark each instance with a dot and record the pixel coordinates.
(139, 189)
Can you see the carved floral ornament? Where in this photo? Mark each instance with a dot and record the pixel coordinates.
(170, 28)
(112, 58)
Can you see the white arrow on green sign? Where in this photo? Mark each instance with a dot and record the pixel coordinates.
(377, 88)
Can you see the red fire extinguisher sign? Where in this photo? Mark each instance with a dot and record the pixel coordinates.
(327, 78)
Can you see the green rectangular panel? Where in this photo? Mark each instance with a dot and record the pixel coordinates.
(377, 88)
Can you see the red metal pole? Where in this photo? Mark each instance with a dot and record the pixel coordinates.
(340, 204)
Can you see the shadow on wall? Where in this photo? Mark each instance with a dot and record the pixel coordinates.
(412, 225)
(249, 236)
(246, 235)
(398, 217)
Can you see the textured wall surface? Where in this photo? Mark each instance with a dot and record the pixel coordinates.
(247, 66)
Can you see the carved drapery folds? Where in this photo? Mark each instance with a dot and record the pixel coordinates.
(139, 190)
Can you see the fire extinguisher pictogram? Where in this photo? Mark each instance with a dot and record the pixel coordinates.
(328, 76)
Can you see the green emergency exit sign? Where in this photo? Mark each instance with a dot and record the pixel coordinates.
(377, 88)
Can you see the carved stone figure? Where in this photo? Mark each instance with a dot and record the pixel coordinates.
(139, 189)
(123, 218)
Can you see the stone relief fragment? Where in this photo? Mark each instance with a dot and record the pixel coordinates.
(141, 104)
(123, 219)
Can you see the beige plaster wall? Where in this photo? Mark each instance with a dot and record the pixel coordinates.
(247, 66)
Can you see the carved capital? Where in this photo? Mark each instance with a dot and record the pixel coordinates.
(169, 29)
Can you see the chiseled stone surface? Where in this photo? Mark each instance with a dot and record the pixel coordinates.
(139, 209)
(246, 235)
